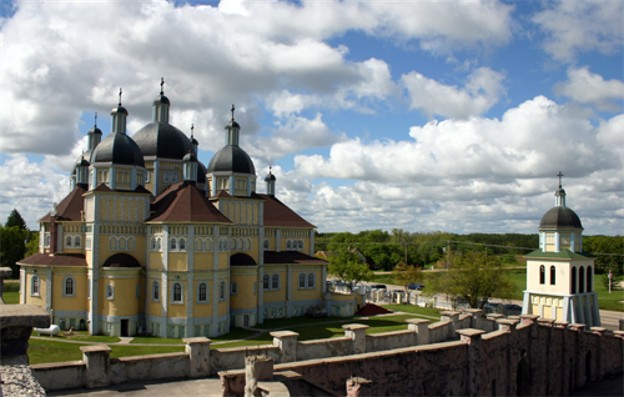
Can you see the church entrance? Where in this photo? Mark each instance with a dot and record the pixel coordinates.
(124, 327)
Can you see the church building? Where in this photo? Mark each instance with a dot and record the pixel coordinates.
(149, 240)
(560, 276)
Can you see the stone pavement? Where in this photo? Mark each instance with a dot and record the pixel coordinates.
(209, 387)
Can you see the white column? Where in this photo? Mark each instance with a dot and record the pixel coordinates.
(557, 241)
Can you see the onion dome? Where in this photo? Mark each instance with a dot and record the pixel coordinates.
(159, 139)
(118, 149)
(231, 159)
(560, 216)
(270, 183)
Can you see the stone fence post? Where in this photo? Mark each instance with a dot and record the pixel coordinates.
(421, 328)
(453, 317)
(472, 337)
(507, 324)
(97, 361)
(287, 343)
(198, 350)
(357, 332)
(257, 368)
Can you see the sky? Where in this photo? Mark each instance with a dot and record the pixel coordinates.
(418, 115)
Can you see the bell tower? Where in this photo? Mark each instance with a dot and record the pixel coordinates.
(560, 276)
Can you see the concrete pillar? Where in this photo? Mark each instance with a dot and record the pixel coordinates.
(257, 368)
(577, 327)
(472, 337)
(198, 350)
(506, 324)
(452, 317)
(421, 328)
(357, 332)
(287, 343)
(97, 360)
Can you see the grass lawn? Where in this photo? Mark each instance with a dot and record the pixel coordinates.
(49, 350)
(422, 311)
(150, 340)
(11, 292)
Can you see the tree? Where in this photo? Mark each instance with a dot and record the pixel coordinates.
(349, 267)
(15, 219)
(474, 276)
(12, 247)
(406, 274)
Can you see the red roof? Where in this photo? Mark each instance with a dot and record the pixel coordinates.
(54, 260)
(277, 213)
(184, 202)
(290, 257)
(70, 208)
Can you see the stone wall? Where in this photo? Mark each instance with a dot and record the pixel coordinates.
(510, 356)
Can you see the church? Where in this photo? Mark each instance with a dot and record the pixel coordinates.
(149, 240)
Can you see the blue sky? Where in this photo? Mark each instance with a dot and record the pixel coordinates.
(425, 116)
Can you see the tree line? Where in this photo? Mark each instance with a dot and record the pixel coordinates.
(383, 250)
(16, 242)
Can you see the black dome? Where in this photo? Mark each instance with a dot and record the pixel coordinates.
(232, 158)
(201, 173)
(118, 149)
(560, 217)
(161, 99)
(162, 140)
(270, 177)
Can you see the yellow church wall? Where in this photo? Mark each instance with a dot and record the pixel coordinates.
(177, 261)
(125, 301)
(246, 295)
(272, 295)
(306, 293)
(177, 309)
(155, 260)
(37, 300)
(203, 260)
(76, 302)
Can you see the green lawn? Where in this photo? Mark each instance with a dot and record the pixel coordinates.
(151, 340)
(11, 292)
(49, 350)
(422, 311)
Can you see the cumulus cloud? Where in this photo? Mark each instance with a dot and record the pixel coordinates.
(573, 27)
(586, 87)
(481, 91)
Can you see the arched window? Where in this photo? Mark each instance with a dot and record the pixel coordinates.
(265, 281)
(581, 280)
(542, 275)
(77, 241)
(182, 244)
(69, 286)
(68, 241)
(589, 279)
(553, 274)
(153, 244)
(573, 282)
(233, 288)
(110, 293)
(275, 281)
(173, 244)
(156, 291)
(34, 285)
(198, 245)
(202, 292)
(288, 244)
(266, 244)
(311, 280)
(177, 293)
(208, 244)
(300, 244)
(122, 244)
(247, 244)
(302, 280)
